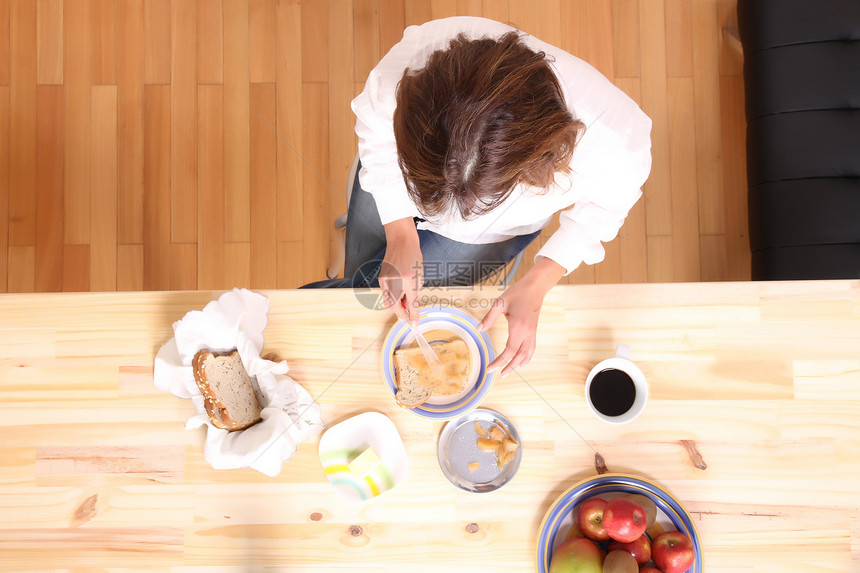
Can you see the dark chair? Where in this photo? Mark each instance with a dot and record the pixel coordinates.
(802, 81)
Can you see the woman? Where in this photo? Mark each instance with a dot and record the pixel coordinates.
(471, 137)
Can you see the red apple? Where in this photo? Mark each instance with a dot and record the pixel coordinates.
(673, 552)
(639, 549)
(649, 570)
(647, 504)
(624, 520)
(590, 519)
(577, 556)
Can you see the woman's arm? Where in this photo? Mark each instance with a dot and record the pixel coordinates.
(402, 271)
(521, 305)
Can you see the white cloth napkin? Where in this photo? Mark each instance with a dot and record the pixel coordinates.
(290, 416)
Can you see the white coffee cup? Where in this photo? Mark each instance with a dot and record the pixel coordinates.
(621, 361)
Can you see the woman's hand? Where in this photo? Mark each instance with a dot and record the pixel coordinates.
(521, 304)
(402, 271)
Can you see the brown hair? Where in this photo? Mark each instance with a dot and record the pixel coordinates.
(479, 118)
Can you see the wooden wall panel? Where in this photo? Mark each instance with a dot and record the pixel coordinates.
(392, 22)
(237, 138)
(679, 38)
(625, 37)
(442, 9)
(600, 47)
(49, 42)
(156, 41)
(661, 257)
(548, 27)
(416, 12)
(470, 8)
(130, 122)
(78, 82)
(712, 215)
(289, 121)
(210, 43)
(21, 227)
(366, 25)
(731, 62)
(22, 261)
(609, 270)
(633, 243)
(315, 192)
(156, 185)
(714, 250)
(262, 41)
(4, 186)
(103, 235)
(237, 265)
(104, 16)
(495, 10)
(183, 122)
(342, 148)
(733, 139)
(76, 268)
(49, 189)
(264, 188)
(5, 34)
(685, 203)
(521, 13)
(290, 264)
(574, 23)
(210, 178)
(658, 199)
(129, 272)
(183, 266)
(315, 42)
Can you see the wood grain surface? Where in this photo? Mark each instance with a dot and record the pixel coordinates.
(168, 124)
(753, 423)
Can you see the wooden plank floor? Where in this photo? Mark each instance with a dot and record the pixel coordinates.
(185, 144)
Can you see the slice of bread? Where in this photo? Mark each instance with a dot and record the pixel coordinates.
(227, 390)
(417, 382)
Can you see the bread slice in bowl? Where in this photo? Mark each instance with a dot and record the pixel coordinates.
(417, 382)
(228, 392)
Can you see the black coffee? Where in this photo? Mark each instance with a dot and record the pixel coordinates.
(612, 392)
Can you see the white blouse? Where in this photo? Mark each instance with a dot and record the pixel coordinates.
(609, 165)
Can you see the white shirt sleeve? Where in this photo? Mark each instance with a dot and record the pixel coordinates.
(609, 186)
(380, 173)
(610, 164)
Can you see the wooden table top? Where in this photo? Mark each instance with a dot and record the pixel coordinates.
(762, 379)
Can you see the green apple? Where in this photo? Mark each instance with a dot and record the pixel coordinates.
(578, 555)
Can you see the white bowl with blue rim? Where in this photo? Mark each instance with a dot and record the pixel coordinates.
(455, 322)
(559, 518)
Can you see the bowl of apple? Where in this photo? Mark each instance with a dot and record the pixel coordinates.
(618, 523)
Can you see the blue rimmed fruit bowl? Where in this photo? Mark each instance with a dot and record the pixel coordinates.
(442, 324)
(561, 515)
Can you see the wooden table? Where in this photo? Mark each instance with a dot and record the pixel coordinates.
(762, 379)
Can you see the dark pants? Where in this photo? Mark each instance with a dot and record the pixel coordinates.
(446, 262)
